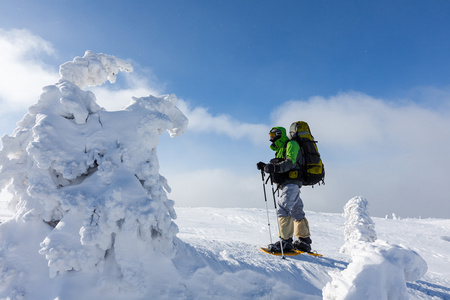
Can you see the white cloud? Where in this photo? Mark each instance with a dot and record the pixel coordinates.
(357, 123)
(137, 86)
(396, 155)
(216, 188)
(200, 120)
(23, 71)
(22, 52)
(25, 74)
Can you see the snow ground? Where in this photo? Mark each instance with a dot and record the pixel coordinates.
(229, 239)
(218, 257)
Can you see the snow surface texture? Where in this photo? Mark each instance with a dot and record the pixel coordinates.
(93, 176)
(218, 258)
(378, 270)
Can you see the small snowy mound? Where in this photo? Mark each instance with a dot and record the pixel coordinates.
(87, 182)
(378, 270)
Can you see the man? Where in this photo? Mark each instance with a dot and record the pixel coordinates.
(285, 169)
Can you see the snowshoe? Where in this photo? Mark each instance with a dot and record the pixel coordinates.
(300, 246)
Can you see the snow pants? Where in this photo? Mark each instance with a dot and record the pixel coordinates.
(291, 217)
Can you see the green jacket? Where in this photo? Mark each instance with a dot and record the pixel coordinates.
(289, 153)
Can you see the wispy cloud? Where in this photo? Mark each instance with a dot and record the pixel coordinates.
(355, 121)
(137, 85)
(201, 120)
(393, 152)
(24, 72)
(22, 53)
(216, 188)
(396, 154)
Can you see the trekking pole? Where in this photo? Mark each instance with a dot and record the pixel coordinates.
(267, 208)
(278, 223)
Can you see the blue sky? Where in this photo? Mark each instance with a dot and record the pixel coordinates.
(371, 78)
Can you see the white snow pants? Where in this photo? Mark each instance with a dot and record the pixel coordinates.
(290, 204)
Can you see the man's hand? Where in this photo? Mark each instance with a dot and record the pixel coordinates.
(269, 168)
(260, 165)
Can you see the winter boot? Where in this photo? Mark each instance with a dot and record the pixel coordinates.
(287, 246)
(303, 244)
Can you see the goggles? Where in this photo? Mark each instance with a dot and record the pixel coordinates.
(273, 134)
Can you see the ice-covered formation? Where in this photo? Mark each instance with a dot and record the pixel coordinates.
(93, 69)
(88, 180)
(378, 269)
(359, 225)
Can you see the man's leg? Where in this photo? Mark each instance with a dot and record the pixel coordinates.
(301, 228)
(301, 225)
(286, 227)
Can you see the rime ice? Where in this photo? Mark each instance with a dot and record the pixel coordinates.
(359, 225)
(378, 269)
(93, 175)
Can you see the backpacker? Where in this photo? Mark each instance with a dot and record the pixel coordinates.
(313, 170)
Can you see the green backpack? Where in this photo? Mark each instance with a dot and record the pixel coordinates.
(312, 171)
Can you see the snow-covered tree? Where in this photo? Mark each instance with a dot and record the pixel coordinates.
(359, 225)
(378, 269)
(90, 178)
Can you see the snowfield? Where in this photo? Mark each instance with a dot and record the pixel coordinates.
(90, 218)
(229, 240)
(218, 258)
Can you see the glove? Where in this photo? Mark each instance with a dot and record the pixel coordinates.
(269, 168)
(260, 165)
